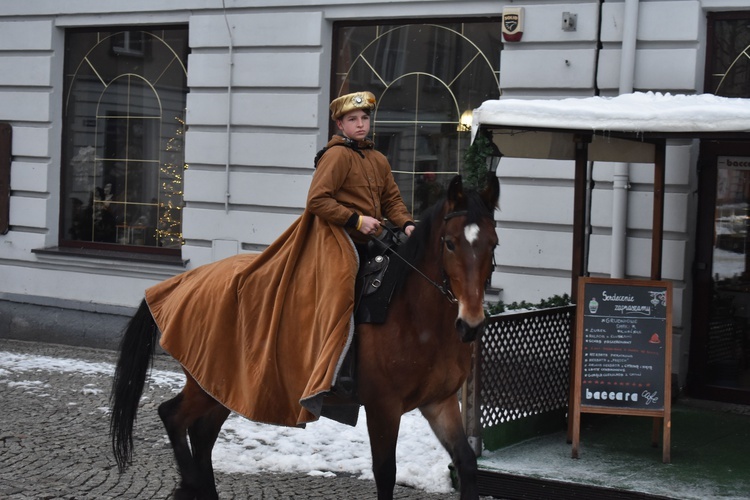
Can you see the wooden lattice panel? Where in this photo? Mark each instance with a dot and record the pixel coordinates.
(525, 364)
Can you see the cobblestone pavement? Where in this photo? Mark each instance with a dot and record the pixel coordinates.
(54, 442)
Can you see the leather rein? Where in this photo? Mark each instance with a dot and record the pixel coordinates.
(445, 287)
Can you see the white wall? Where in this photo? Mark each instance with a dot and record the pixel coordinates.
(548, 61)
(672, 47)
(280, 72)
(536, 222)
(278, 78)
(280, 87)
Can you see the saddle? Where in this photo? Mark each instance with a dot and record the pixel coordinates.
(374, 290)
(375, 286)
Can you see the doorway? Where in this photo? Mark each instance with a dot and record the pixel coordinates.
(720, 345)
(720, 342)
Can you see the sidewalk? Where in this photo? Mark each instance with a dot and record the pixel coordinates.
(710, 458)
(54, 444)
(54, 437)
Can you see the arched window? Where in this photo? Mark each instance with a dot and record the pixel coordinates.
(425, 76)
(123, 159)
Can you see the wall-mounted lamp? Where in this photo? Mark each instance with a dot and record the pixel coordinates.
(464, 123)
(494, 155)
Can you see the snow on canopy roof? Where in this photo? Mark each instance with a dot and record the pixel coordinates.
(636, 112)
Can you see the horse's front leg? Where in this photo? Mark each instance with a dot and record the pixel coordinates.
(445, 419)
(382, 426)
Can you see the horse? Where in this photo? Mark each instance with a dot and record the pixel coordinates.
(418, 358)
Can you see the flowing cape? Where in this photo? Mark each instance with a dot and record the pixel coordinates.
(265, 334)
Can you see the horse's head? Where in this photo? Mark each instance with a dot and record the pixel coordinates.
(468, 242)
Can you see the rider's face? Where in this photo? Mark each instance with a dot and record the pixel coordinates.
(355, 124)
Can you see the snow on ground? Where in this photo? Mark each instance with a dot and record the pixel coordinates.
(328, 448)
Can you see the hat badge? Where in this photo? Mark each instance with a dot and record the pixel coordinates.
(358, 99)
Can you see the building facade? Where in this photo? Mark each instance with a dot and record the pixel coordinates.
(145, 139)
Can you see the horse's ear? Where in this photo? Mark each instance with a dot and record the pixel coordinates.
(491, 192)
(456, 192)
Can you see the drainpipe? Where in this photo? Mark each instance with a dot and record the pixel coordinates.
(621, 178)
(229, 109)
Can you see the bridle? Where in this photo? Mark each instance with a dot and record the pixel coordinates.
(445, 286)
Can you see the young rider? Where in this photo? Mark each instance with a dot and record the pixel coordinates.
(353, 185)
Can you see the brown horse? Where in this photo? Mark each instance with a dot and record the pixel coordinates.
(418, 358)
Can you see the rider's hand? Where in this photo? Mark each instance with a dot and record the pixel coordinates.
(408, 230)
(370, 225)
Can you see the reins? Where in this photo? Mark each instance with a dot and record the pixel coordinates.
(445, 287)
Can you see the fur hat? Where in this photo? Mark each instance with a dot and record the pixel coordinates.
(349, 102)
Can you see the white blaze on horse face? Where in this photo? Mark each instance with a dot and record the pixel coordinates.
(471, 233)
(471, 321)
(475, 317)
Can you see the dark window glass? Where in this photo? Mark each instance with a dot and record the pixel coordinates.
(729, 58)
(425, 77)
(123, 159)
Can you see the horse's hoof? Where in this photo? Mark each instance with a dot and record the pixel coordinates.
(184, 494)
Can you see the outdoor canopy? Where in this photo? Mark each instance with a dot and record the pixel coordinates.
(631, 128)
(627, 128)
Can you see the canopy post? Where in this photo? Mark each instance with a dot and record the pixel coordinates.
(579, 245)
(579, 212)
(657, 235)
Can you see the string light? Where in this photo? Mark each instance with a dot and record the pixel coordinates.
(169, 227)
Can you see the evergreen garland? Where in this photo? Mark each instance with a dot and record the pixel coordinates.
(475, 162)
(554, 301)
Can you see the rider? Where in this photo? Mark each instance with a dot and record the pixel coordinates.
(281, 322)
(353, 185)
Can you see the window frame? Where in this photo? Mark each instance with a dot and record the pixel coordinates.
(389, 144)
(66, 243)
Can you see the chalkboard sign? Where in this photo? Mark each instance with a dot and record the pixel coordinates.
(624, 345)
(623, 348)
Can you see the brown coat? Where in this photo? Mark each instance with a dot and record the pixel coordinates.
(347, 182)
(266, 334)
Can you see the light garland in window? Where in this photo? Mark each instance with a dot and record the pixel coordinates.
(169, 228)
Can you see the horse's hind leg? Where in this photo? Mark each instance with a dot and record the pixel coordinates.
(203, 434)
(169, 412)
(445, 420)
(178, 415)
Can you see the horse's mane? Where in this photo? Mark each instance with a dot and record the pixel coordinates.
(414, 249)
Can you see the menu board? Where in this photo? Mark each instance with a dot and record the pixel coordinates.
(622, 356)
(623, 344)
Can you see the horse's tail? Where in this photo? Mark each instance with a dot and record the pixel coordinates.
(136, 357)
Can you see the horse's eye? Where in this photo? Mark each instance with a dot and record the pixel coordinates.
(450, 245)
